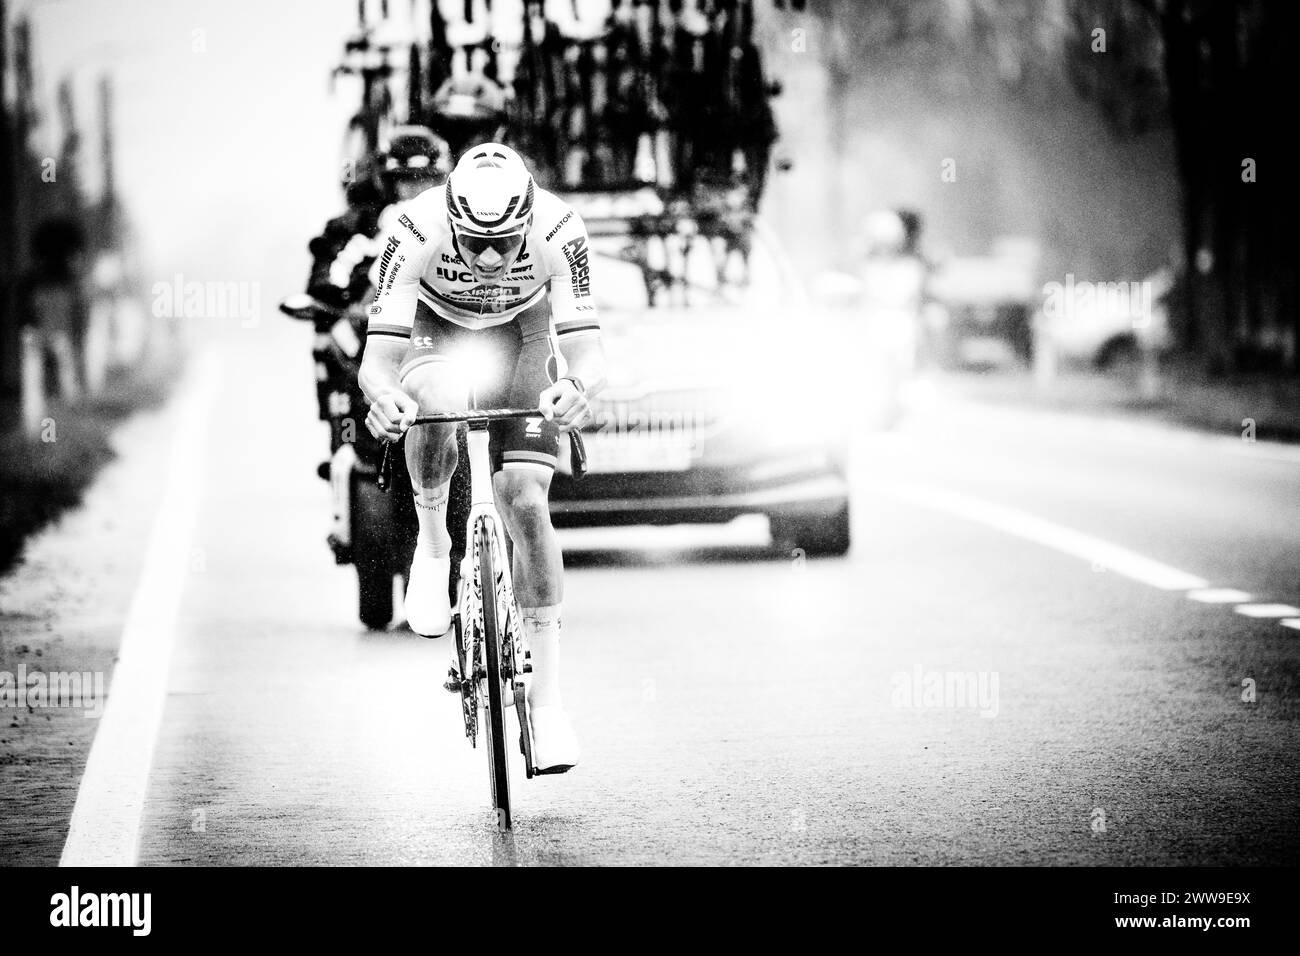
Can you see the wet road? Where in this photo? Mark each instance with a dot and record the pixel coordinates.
(1006, 669)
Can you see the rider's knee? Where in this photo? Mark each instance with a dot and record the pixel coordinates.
(433, 386)
(524, 503)
(433, 446)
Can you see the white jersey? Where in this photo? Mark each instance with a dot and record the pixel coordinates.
(420, 266)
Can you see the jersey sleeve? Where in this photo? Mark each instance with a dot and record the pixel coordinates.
(569, 258)
(405, 249)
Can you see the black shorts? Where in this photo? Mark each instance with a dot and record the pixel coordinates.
(523, 364)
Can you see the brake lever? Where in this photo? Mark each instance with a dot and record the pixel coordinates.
(578, 462)
(385, 476)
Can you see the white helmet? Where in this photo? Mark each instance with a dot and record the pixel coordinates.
(490, 192)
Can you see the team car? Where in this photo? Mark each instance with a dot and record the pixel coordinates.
(727, 395)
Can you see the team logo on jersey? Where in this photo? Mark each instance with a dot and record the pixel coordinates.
(451, 275)
(579, 271)
(491, 292)
(406, 221)
(387, 259)
(556, 228)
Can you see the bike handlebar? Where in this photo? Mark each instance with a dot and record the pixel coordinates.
(478, 415)
(576, 445)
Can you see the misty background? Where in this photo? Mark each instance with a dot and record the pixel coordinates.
(229, 140)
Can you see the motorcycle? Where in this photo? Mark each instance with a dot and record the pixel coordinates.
(373, 531)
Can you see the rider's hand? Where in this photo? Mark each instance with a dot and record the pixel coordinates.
(565, 405)
(391, 414)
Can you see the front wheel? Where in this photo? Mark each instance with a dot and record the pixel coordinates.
(498, 761)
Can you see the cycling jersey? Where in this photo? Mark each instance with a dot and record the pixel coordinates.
(341, 255)
(419, 264)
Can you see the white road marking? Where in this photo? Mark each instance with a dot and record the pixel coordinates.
(1098, 553)
(105, 826)
(1219, 596)
(1292, 622)
(1147, 434)
(1267, 610)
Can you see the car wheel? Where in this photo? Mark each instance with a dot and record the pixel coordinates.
(1118, 353)
(830, 535)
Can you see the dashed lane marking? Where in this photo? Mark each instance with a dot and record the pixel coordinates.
(1220, 596)
(1095, 551)
(1100, 554)
(1267, 610)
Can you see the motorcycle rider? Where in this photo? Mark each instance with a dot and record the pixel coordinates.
(411, 161)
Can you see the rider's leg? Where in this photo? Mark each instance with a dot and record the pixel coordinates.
(431, 460)
(521, 493)
(524, 459)
(521, 497)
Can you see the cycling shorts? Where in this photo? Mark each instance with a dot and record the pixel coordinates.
(522, 362)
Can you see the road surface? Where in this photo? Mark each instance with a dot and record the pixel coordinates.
(1007, 669)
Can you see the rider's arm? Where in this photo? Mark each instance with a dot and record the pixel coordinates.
(379, 365)
(403, 257)
(585, 360)
(573, 310)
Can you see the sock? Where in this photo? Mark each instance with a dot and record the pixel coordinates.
(542, 637)
(431, 511)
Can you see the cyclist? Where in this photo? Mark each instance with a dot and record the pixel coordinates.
(411, 161)
(492, 261)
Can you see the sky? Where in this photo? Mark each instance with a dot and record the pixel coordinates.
(228, 139)
(229, 145)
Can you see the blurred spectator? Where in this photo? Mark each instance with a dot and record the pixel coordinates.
(893, 282)
(55, 304)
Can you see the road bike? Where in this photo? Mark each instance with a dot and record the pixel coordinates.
(491, 660)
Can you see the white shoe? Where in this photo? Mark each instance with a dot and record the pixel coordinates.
(428, 609)
(555, 745)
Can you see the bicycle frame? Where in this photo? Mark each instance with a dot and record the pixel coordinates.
(488, 628)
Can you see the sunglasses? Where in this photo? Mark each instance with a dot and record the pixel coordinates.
(477, 245)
